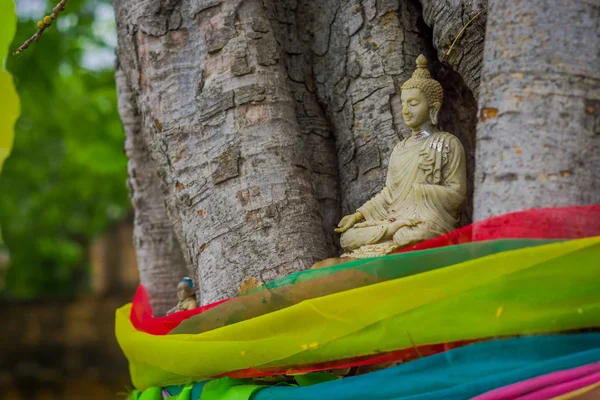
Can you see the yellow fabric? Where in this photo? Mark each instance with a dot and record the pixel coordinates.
(540, 289)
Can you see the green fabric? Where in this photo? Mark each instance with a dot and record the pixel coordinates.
(229, 389)
(309, 284)
(154, 393)
(186, 393)
(241, 389)
(413, 262)
(135, 395)
(314, 378)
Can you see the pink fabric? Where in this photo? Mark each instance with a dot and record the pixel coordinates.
(547, 386)
(562, 388)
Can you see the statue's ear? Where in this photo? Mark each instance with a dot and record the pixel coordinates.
(434, 112)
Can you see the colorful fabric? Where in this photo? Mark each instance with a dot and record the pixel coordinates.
(538, 223)
(308, 284)
(547, 386)
(403, 355)
(384, 268)
(173, 392)
(228, 389)
(547, 223)
(311, 284)
(458, 374)
(591, 392)
(514, 292)
(154, 393)
(142, 319)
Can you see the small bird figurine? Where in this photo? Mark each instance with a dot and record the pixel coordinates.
(185, 295)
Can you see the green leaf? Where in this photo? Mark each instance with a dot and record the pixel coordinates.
(8, 27)
(9, 100)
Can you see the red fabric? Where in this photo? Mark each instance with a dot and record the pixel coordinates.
(542, 223)
(394, 356)
(142, 319)
(538, 223)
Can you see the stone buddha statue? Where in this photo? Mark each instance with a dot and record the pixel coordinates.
(426, 180)
(185, 295)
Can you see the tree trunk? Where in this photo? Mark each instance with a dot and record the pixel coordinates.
(538, 137)
(159, 258)
(262, 117)
(460, 49)
(362, 51)
(289, 22)
(220, 121)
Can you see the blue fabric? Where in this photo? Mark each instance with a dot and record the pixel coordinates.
(458, 374)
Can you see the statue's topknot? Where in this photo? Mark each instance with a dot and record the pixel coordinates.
(421, 79)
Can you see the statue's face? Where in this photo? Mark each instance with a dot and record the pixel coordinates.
(184, 291)
(415, 108)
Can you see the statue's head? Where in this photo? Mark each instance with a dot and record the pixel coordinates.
(185, 289)
(421, 97)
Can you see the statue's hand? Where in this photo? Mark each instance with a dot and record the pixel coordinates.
(348, 222)
(396, 224)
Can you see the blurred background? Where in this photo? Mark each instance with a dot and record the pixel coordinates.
(66, 255)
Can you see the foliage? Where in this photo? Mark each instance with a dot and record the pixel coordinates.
(65, 181)
(9, 101)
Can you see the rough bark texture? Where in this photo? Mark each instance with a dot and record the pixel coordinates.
(219, 119)
(359, 50)
(538, 137)
(447, 18)
(288, 18)
(262, 117)
(362, 52)
(459, 111)
(160, 261)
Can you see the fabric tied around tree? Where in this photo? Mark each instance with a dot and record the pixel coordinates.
(522, 291)
(492, 368)
(548, 386)
(522, 229)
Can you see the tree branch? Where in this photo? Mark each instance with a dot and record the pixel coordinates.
(463, 30)
(42, 25)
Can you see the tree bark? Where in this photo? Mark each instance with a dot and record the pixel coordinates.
(160, 261)
(288, 19)
(538, 136)
(261, 117)
(220, 122)
(464, 55)
(362, 51)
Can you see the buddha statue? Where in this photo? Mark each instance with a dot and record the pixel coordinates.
(426, 180)
(185, 296)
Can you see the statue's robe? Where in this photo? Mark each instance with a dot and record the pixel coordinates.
(426, 185)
